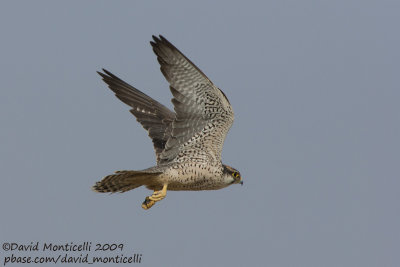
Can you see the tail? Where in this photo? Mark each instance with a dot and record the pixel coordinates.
(123, 181)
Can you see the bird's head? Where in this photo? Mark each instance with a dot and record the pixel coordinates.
(231, 175)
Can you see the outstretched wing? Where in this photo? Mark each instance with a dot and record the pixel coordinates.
(203, 113)
(154, 117)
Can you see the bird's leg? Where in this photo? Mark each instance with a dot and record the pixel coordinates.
(155, 197)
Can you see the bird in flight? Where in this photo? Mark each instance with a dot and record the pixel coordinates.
(188, 142)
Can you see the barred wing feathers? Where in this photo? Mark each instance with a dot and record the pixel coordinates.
(199, 105)
(153, 116)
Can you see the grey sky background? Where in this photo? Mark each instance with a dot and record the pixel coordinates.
(315, 89)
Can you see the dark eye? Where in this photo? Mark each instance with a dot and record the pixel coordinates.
(235, 174)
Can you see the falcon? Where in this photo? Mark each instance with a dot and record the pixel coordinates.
(187, 141)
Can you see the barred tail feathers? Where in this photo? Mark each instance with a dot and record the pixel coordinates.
(123, 181)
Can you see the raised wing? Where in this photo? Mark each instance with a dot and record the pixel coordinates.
(154, 117)
(203, 113)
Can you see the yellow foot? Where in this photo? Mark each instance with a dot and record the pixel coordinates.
(155, 197)
(147, 203)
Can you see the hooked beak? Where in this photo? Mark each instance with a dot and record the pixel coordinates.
(241, 182)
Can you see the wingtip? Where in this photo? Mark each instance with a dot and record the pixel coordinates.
(159, 39)
(103, 75)
(155, 38)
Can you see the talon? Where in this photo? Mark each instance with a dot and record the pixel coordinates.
(148, 203)
(155, 197)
